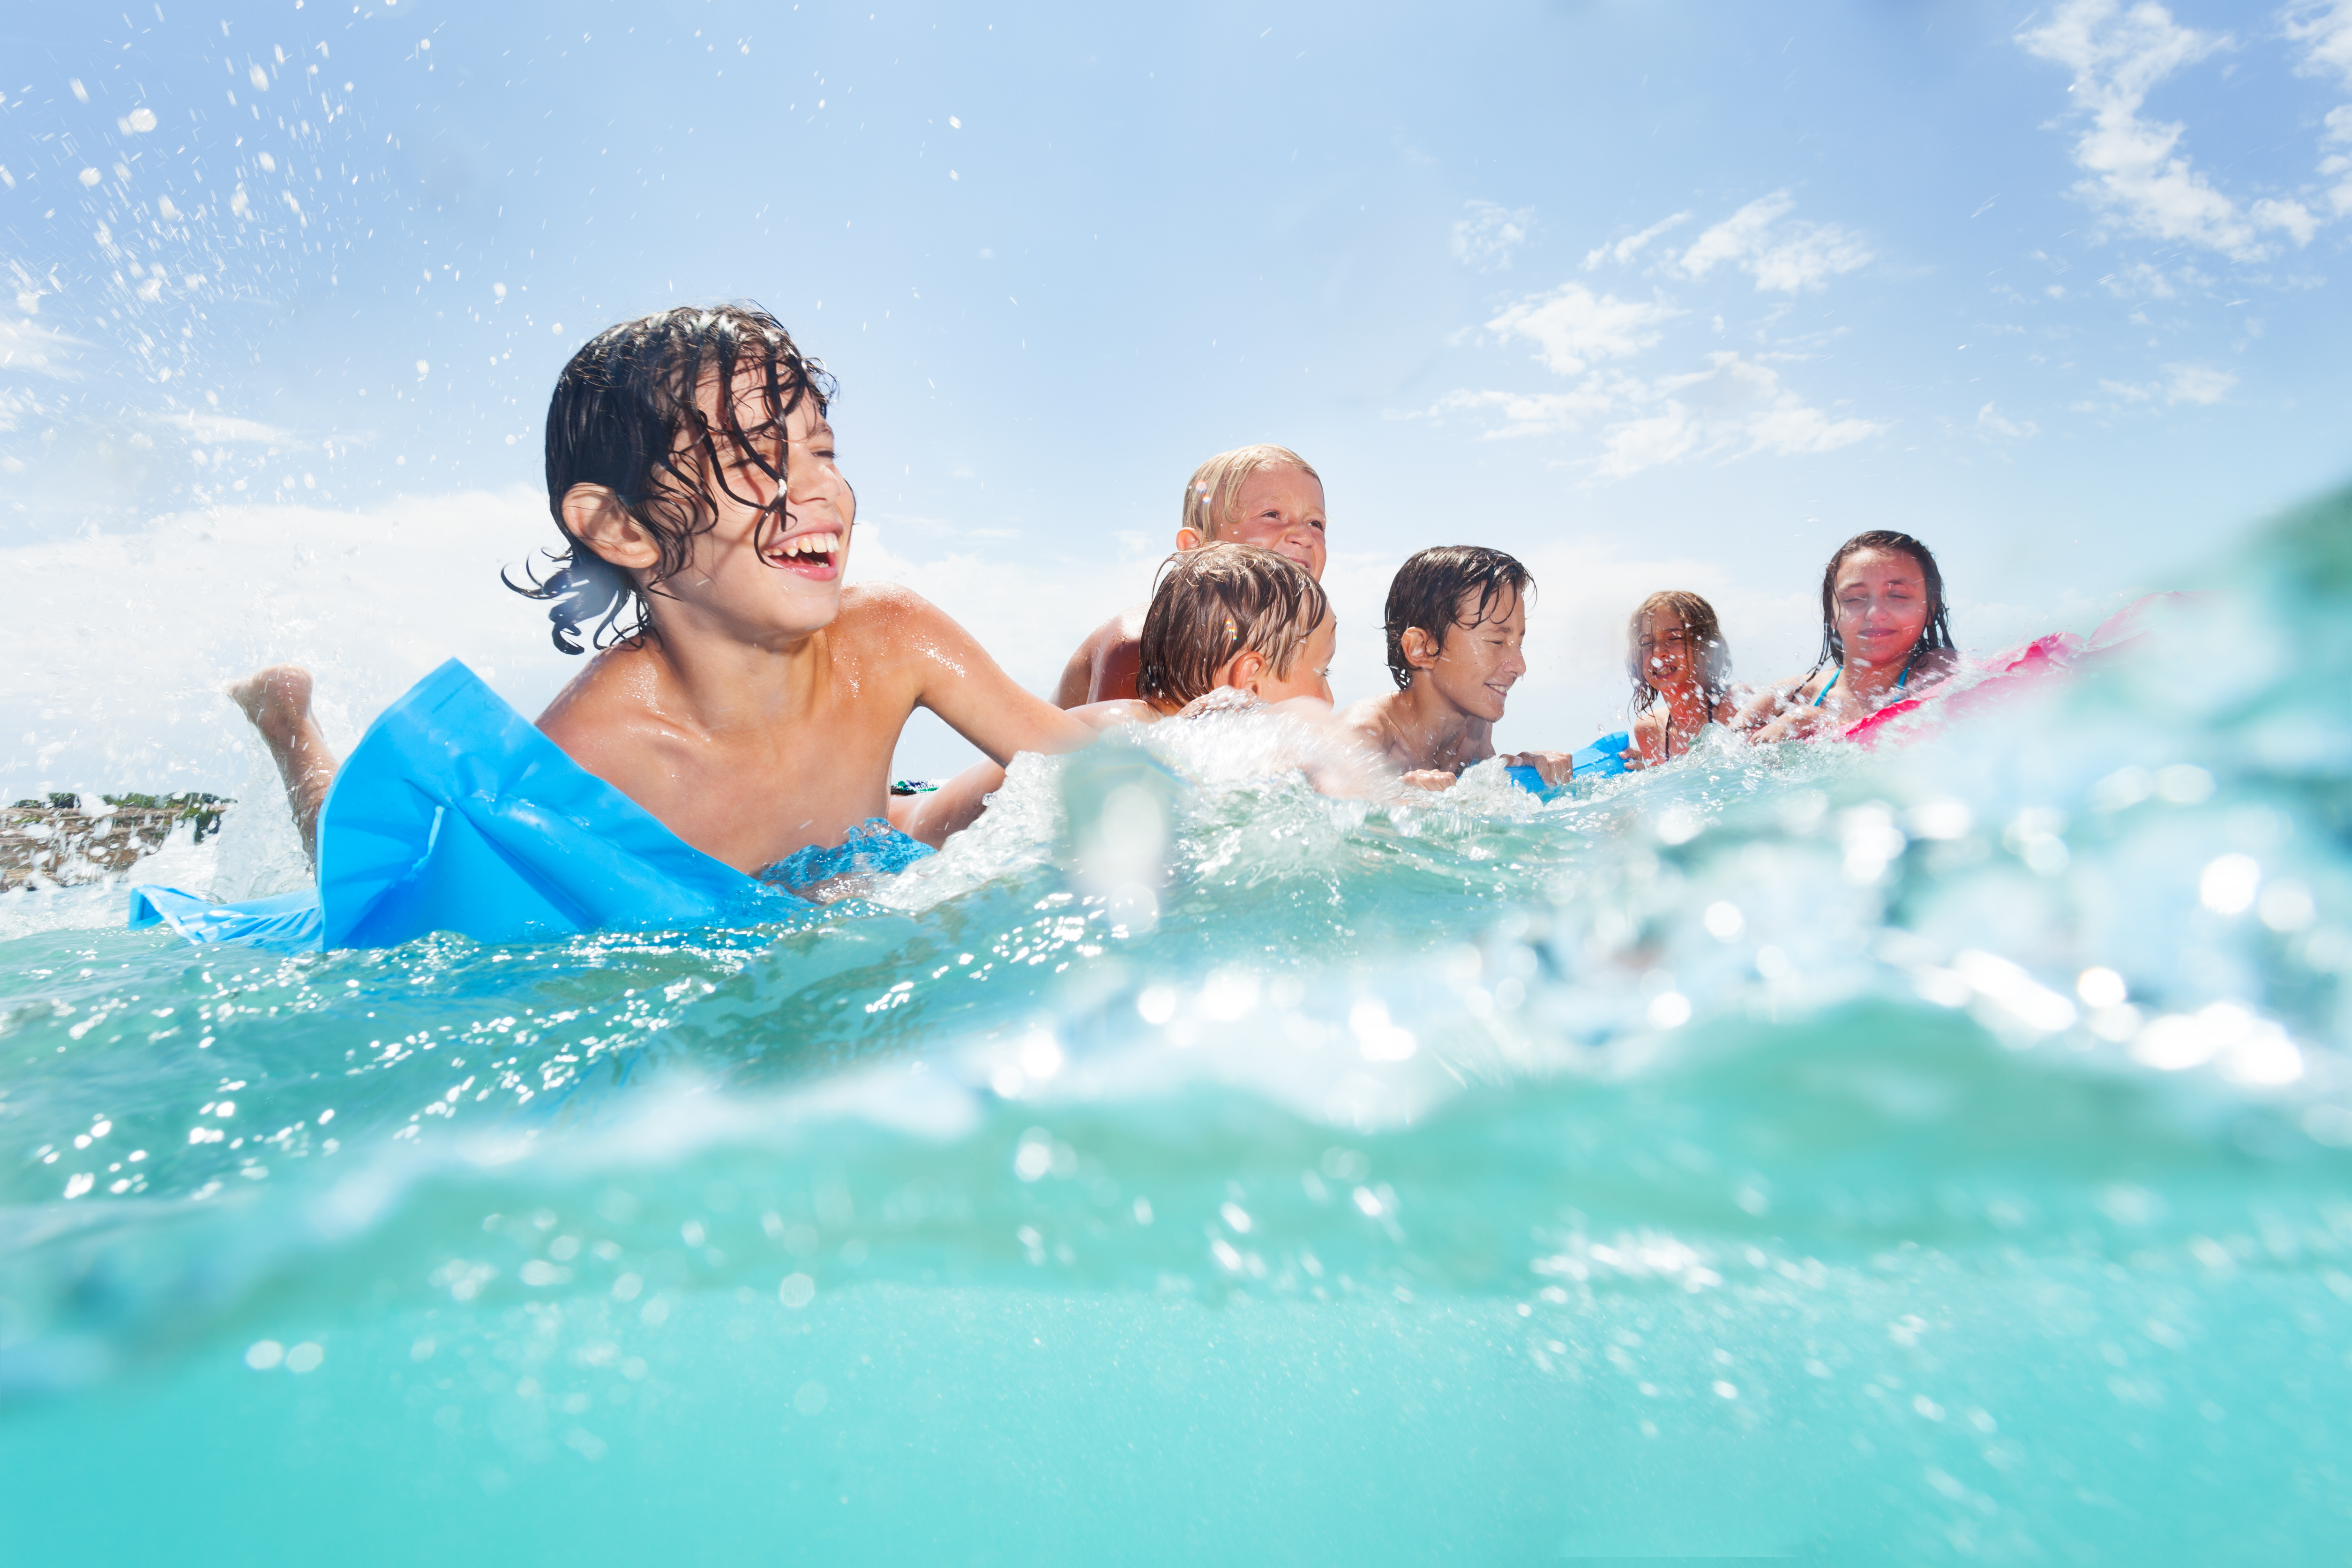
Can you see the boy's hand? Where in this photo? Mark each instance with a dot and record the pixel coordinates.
(1429, 779)
(1555, 766)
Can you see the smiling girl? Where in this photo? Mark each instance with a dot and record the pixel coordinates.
(1681, 670)
(1884, 634)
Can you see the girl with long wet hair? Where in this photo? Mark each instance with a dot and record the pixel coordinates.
(1681, 671)
(1885, 635)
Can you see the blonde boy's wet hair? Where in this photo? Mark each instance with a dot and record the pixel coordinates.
(1216, 603)
(1217, 484)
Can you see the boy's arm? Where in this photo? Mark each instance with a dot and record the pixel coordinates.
(955, 679)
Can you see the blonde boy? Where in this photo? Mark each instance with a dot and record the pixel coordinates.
(1233, 618)
(1263, 495)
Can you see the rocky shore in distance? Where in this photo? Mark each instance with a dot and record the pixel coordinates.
(57, 841)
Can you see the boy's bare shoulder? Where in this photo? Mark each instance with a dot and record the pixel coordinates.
(884, 604)
(609, 718)
(1106, 664)
(1367, 721)
(889, 621)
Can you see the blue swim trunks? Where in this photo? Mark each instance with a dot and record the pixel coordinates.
(866, 853)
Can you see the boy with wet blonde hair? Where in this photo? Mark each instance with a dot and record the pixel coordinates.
(1261, 494)
(1234, 617)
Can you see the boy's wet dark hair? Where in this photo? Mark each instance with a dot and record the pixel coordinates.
(625, 416)
(1428, 590)
(1935, 645)
(1213, 604)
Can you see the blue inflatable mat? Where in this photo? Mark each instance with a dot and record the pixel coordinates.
(1597, 761)
(454, 812)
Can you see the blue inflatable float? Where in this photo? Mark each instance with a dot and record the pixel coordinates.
(1597, 761)
(455, 814)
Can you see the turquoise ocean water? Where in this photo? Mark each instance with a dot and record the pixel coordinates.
(1938, 1154)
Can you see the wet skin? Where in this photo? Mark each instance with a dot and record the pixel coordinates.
(1882, 608)
(1444, 721)
(1672, 665)
(1280, 509)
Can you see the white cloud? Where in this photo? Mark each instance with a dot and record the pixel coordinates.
(1991, 423)
(2324, 29)
(1573, 326)
(1737, 408)
(220, 429)
(2137, 280)
(2198, 384)
(1743, 409)
(1487, 238)
(2137, 173)
(45, 351)
(1625, 250)
(1533, 413)
(1761, 241)
(2337, 166)
(138, 630)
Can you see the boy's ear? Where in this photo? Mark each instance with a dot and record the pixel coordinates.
(1420, 649)
(596, 517)
(1246, 670)
(1190, 539)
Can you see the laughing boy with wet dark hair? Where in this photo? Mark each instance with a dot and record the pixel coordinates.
(1457, 616)
(741, 693)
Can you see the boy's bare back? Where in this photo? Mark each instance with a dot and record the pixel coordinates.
(1106, 664)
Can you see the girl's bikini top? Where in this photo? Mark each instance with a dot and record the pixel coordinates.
(1900, 681)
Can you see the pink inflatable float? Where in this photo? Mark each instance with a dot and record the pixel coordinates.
(2011, 674)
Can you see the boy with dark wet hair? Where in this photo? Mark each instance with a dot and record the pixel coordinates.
(741, 693)
(1456, 616)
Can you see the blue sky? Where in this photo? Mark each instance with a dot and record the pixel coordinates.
(1653, 295)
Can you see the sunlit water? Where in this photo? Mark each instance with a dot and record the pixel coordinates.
(1754, 1157)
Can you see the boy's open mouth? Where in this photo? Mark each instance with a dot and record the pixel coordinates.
(816, 555)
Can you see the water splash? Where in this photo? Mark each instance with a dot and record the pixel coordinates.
(1964, 1128)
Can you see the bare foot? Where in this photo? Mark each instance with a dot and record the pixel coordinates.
(276, 700)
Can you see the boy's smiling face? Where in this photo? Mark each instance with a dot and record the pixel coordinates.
(1310, 668)
(1480, 661)
(771, 564)
(1278, 509)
